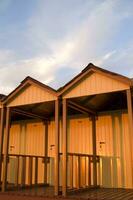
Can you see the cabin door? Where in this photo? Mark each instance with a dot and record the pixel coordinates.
(14, 148)
(110, 150)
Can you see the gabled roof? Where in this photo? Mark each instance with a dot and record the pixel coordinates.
(91, 68)
(2, 96)
(28, 81)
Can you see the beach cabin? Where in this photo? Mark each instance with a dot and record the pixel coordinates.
(76, 138)
(29, 150)
(102, 134)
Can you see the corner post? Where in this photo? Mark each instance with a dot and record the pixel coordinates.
(57, 135)
(130, 122)
(64, 173)
(1, 137)
(46, 152)
(94, 150)
(5, 161)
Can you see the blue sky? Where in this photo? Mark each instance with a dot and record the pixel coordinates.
(53, 40)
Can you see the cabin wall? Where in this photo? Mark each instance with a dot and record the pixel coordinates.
(95, 83)
(113, 146)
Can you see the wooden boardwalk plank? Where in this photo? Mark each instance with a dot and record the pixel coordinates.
(90, 194)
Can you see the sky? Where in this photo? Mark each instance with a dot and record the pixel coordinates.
(53, 40)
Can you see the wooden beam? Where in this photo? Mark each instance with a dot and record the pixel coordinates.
(38, 106)
(57, 135)
(89, 98)
(94, 151)
(84, 109)
(77, 109)
(46, 153)
(64, 172)
(5, 162)
(130, 122)
(3, 111)
(29, 114)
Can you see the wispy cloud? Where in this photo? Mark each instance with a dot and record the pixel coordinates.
(54, 39)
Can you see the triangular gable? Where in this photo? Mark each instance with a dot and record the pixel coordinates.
(30, 91)
(95, 83)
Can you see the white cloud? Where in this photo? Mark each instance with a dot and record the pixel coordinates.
(41, 68)
(86, 42)
(105, 58)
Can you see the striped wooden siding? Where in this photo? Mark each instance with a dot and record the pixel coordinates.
(31, 95)
(35, 139)
(113, 145)
(115, 151)
(79, 136)
(95, 84)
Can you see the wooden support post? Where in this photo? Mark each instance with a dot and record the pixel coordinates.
(1, 137)
(36, 171)
(57, 133)
(30, 171)
(94, 151)
(64, 173)
(46, 153)
(130, 121)
(5, 162)
(23, 172)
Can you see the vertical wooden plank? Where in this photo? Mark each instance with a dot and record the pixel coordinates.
(130, 121)
(57, 130)
(30, 171)
(79, 175)
(23, 176)
(85, 177)
(36, 170)
(3, 110)
(17, 171)
(64, 172)
(46, 152)
(94, 151)
(71, 171)
(5, 162)
(89, 171)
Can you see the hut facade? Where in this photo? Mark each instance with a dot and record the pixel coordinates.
(80, 136)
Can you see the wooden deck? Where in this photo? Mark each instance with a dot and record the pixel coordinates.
(91, 194)
(105, 194)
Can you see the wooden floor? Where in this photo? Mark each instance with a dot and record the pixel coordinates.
(91, 194)
(105, 194)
